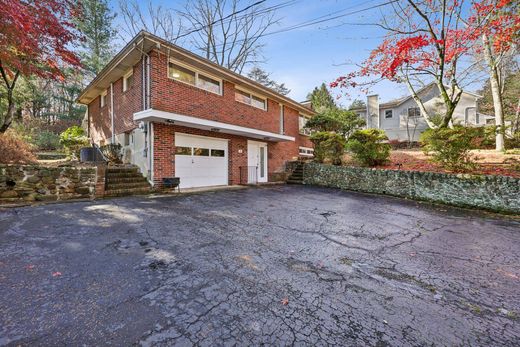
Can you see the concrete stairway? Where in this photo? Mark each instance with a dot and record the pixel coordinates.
(128, 180)
(296, 176)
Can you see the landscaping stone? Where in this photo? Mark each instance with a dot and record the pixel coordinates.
(22, 183)
(495, 193)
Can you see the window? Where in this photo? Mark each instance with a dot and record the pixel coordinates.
(477, 118)
(302, 120)
(282, 115)
(194, 78)
(201, 152)
(414, 112)
(389, 113)
(218, 153)
(182, 150)
(128, 79)
(250, 99)
(103, 99)
(306, 151)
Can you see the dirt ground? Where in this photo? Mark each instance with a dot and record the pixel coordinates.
(489, 162)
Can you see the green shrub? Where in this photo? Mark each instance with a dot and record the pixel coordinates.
(73, 139)
(47, 140)
(450, 147)
(328, 146)
(368, 147)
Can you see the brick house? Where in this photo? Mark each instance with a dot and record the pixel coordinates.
(177, 114)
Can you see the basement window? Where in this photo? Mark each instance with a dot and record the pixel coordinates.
(306, 151)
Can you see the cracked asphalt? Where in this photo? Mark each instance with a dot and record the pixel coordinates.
(278, 265)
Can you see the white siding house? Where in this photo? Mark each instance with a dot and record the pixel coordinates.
(401, 119)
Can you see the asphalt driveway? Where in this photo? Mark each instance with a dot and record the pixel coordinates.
(280, 265)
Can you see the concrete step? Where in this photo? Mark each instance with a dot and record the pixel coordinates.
(129, 179)
(126, 192)
(123, 174)
(127, 185)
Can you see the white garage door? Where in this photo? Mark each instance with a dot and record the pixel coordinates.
(201, 161)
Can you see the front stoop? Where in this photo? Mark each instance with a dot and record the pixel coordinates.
(124, 181)
(296, 176)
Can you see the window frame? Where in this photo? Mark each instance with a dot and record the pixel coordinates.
(413, 108)
(306, 151)
(391, 114)
(251, 94)
(103, 99)
(197, 72)
(126, 87)
(302, 130)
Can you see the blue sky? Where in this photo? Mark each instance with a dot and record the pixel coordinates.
(306, 57)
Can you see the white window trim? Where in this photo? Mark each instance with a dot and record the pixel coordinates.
(125, 79)
(391, 114)
(103, 99)
(305, 153)
(303, 131)
(282, 119)
(250, 96)
(196, 71)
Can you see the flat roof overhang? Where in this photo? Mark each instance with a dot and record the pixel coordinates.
(152, 115)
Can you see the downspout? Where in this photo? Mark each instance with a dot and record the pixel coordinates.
(112, 111)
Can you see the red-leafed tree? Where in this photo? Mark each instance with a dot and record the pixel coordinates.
(36, 39)
(497, 23)
(425, 42)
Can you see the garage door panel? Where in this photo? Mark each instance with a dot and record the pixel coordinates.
(201, 170)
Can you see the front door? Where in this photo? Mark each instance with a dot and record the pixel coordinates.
(256, 162)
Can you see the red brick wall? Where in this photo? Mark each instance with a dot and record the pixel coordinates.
(164, 151)
(125, 105)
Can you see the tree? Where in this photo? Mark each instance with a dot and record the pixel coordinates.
(357, 104)
(335, 120)
(228, 32)
(321, 99)
(498, 25)
(155, 19)
(36, 39)
(425, 42)
(262, 77)
(95, 24)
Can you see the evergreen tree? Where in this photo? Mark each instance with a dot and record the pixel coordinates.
(356, 103)
(321, 99)
(95, 24)
(262, 77)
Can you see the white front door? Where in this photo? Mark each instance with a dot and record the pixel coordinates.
(257, 161)
(201, 161)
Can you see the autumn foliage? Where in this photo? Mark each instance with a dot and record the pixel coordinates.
(15, 149)
(36, 37)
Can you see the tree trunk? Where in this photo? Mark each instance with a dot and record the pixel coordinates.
(6, 122)
(496, 94)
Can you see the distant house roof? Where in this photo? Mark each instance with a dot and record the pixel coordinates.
(399, 101)
(145, 42)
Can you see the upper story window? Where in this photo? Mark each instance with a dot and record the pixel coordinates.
(389, 113)
(414, 112)
(302, 120)
(128, 79)
(103, 99)
(250, 99)
(195, 78)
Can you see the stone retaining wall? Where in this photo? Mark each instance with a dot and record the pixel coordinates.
(495, 193)
(28, 183)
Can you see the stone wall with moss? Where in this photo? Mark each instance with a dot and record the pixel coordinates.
(495, 193)
(29, 183)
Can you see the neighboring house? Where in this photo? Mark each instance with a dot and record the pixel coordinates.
(402, 120)
(177, 114)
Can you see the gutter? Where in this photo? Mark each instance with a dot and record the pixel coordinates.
(112, 112)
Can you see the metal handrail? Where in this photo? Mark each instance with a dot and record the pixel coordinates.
(98, 151)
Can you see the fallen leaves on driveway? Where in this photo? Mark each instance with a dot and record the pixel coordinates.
(56, 274)
(285, 301)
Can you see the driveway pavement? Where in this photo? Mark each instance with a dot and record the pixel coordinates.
(280, 265)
